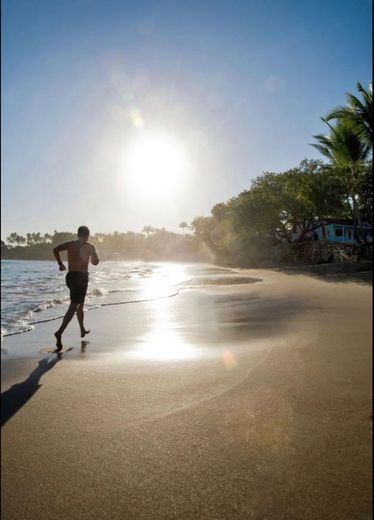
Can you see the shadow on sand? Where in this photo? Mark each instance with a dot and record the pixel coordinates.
(359, 272)
(18, 395)
(347, 276)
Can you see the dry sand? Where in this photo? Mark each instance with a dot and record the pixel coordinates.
(227, 402)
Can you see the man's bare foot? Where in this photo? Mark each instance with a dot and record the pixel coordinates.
(84, 332)
(58, 341)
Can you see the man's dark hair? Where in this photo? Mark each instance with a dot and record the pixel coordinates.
(83, 231)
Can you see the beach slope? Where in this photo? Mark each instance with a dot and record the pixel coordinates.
(226, 401)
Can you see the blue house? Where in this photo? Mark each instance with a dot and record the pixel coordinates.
(341, 231)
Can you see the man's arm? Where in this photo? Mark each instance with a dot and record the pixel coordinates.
(94, 257)
(56, 252)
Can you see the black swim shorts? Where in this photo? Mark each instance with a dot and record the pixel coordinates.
(77, 282)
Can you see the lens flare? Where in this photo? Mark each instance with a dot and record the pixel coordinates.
(229, 360)
(137, 119)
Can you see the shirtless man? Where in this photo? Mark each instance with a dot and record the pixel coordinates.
(79, 253)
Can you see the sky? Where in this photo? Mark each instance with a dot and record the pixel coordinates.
(235, 88)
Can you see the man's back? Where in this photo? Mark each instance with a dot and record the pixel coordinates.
(78, 254)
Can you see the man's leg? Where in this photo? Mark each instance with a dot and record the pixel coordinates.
(67, 318)
(80, 316)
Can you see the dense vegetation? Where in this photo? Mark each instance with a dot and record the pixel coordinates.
(152, 244)
(277, 207)
(288, 206)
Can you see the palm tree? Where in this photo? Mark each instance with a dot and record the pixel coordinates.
(29, 239)
(99, 237)
(14, 238)
(148, 229)
(183, 225)
(357, 113)
(347, 151)
(38, 239)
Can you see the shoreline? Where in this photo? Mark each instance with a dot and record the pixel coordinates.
(241, 401)
(339, 272)
(365, 265)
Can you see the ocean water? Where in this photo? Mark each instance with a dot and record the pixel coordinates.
(33, 292)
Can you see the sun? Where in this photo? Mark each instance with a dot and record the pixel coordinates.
(155, 164)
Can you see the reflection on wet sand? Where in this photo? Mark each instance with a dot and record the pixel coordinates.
(164, 341)
(164, 281)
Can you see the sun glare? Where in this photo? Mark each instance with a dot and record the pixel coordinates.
(155, 164)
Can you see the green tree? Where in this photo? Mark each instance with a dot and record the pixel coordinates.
(16, 239)
(99, 237)
(358, 114)
(38, 239)
(365, 190)
(30, 239)
(347, 153)
(285, 206)
(289, 205)
(148, 230)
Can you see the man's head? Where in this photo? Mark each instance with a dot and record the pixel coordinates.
(83, 233)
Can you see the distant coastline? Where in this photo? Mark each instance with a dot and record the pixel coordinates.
(360, 271)
(153, 245)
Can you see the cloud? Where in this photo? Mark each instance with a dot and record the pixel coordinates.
(274, 84)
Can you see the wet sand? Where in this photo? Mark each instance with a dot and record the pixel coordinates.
(245, 401)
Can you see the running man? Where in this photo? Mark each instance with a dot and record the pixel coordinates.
(79, 253)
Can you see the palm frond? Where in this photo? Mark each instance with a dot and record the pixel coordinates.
(357, 114)
(338, 113)
(355, 103)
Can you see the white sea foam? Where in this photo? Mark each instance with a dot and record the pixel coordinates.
(35, 292)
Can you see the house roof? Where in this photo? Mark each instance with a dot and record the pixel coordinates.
(344, 222)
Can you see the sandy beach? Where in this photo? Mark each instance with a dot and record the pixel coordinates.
(227, 401)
